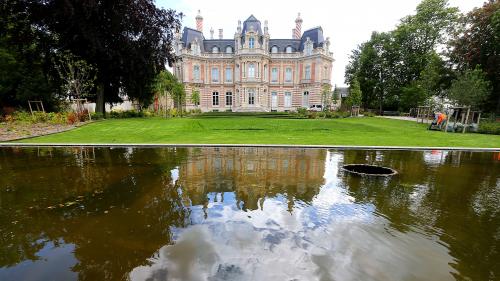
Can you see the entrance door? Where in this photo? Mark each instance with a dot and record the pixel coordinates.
(274, 100)
(251, 98)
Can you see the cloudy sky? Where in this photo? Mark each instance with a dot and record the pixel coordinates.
(346, 22)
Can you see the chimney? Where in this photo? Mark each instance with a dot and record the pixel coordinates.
(211, 33)
(298, 27)
(199, 22)
(293, 34)
(220, 33)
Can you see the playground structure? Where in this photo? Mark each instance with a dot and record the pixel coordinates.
(425, 114)
(354, 111)
(38, 104)
(462, 118)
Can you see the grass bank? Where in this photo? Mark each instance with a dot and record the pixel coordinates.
(266, 129)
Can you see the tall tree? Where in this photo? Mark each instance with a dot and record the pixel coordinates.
(479, 44)
(128, 41)
(471, 88)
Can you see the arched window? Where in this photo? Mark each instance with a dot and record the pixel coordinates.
(289, 50)
(274, 50)
(251, 43)
(229, 50)
(215, 49)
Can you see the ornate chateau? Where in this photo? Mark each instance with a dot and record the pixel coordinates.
(253, 72)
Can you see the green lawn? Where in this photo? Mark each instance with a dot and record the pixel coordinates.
(261, 129)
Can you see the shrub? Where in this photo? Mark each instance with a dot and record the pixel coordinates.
(492, 128)
(71, 118)
(96, 115)
(369, 114)
(312, 114)
(22, 116)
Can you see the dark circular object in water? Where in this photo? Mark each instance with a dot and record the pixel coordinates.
(369, 170)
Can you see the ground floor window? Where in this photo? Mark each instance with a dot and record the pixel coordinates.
(229, 98)
(215, 98)
(288, 99)
(274, 100)
(305, 99)
(251, 98)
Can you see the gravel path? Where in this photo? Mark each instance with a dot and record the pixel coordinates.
(15, 130)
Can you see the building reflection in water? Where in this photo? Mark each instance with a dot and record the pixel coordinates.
(247, 214)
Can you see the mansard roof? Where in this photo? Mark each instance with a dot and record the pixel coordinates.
(252, 22)
(315, 35)
(283, 43)
(220, 43)
(188, 36)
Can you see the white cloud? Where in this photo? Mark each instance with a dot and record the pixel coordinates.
(347, 23)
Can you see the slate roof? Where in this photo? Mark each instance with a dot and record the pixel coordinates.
(188, 36)
(220, 43)
(283, 43)
(251, 22)
(314, 34)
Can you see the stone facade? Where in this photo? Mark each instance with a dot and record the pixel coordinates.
(253, 72)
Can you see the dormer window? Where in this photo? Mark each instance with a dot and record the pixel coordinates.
(274, 50)
(308, 47)
(289, 50)
(215, 49)
(251, 43)
(229, 50)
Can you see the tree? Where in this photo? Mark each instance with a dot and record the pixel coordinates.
(195, 97)
(326, 96)
(129, 42)
(24, 59)
(355, 94)
(388, 65)
(165, 84)
(478, 44)
(471, 88)
(77, 75)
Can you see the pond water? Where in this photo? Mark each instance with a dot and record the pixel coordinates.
(247, 214)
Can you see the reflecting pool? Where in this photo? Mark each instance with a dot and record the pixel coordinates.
(247, 214)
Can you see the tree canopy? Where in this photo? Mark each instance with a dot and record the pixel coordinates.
(128, 42)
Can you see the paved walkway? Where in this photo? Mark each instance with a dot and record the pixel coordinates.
(405, 118)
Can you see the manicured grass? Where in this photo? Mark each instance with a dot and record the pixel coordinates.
(264, 129)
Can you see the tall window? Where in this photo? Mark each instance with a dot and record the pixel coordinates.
(229, 74)
(308, 72)
(274, 50)
(274, 74)
(229, 99)
(215, 49)
(274, 100)
(288, 99)
(305, 99)
(251, 42)
(215, 74)
(288, 74)
(196, 72)
(229, 49)
(215, 98)
(288, 50)
(251, 70)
